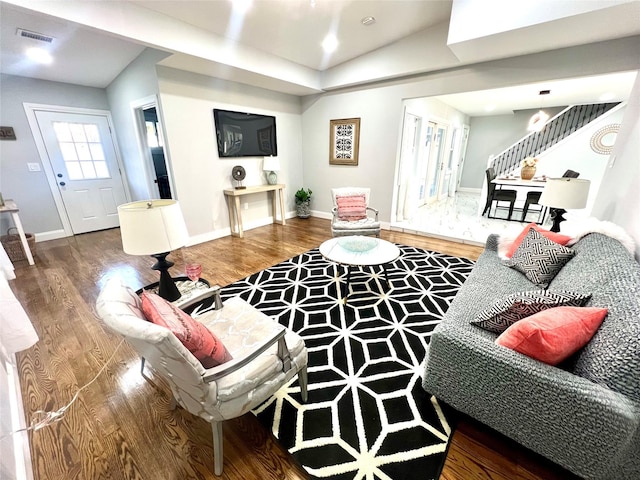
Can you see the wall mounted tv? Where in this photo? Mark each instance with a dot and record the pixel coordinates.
(245, 134)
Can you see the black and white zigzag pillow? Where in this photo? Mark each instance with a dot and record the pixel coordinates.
(539, 258)
(514, 307)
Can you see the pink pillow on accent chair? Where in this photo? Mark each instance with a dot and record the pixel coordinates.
(553, 236)
(351, 207)
(196, 338)
(553, 335)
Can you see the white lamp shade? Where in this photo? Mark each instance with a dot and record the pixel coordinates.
(152, 226)
(567, 193)
(271, 164)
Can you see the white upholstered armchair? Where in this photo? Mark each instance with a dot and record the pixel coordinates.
(352, 214)
(265, 357)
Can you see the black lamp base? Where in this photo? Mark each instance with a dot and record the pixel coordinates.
(556, 216)
(167, 288)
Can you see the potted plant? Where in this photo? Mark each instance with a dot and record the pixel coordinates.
(303, 200)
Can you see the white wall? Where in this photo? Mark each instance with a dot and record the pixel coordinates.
(619, 195)
(30, 190)
(187, 102)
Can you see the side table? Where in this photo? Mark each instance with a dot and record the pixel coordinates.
(235, 213)
(11, 207)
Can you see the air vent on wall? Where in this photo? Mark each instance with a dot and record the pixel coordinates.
(34, 35)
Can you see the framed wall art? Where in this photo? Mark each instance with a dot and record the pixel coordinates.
(345, 141)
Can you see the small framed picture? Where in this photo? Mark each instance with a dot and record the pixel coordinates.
(345, 141)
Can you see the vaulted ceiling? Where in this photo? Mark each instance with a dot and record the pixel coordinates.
(276, 44)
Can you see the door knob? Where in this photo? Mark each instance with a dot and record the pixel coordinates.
(62, 184)
(60, 175)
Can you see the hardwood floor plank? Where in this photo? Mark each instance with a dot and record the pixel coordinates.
(121, 427)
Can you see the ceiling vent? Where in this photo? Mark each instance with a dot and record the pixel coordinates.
(34, 35)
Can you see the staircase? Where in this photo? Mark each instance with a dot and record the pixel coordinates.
(555, 130)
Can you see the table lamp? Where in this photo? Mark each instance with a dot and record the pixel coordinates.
(271, 165)
(562, 193)
(154, 227)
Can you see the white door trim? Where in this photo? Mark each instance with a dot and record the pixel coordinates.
(30, 110)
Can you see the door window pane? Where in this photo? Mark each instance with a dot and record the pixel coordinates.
(62, 132)
(83, 151)
(87, 170)
(96, 151)
(101, 169)
(68, 151)
(81, 141)
(93, 135)
(74, 171)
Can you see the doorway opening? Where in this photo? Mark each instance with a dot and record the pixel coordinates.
(151, 142)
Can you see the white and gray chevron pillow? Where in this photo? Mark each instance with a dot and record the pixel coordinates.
(539, 258)
(516, 306)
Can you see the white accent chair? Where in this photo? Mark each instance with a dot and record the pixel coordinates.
(366, 226)
(266, 356)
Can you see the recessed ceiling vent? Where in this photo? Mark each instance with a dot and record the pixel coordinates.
(34, 35)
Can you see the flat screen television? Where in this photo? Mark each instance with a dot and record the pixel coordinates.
(245, 134)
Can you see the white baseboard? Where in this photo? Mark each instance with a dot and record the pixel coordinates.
(226, 231)
(51, 235)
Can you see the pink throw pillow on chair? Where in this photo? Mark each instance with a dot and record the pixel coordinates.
(351, 207)
(196, 338)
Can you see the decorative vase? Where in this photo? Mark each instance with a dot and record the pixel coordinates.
(302, 208)
(527, 173)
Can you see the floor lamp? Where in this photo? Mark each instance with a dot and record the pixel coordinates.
(154, 227)
(564, 193)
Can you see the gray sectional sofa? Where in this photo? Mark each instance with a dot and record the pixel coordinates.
(584, 414)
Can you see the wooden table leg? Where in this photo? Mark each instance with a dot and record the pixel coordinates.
(273, 205)
(281, 193)
(238, 217)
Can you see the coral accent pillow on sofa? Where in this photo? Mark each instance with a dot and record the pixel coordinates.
(553, 236)
(553, 335)
(197, 338)
(351, 207)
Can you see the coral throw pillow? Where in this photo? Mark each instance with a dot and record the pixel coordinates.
(553, 335)
(553, 236)
(196, 338)
(351, 207)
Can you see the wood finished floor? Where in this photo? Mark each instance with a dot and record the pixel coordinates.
(122, 427)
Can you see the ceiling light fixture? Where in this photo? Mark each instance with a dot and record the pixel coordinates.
(330, 43)
(241, 6)
(39, 55)
(366, 21)
(538, 119)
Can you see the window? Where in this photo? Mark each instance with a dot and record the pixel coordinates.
(81, 150)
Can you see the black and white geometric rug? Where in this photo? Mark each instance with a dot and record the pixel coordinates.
(367, 416)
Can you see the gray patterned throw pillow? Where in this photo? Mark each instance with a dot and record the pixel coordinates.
(539, 258)
(514, 307)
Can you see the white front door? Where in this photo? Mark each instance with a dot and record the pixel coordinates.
(82, 154)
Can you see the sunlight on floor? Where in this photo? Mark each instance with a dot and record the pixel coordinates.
(459, 218)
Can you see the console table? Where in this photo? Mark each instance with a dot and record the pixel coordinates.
(11, 207)
(235, 212)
